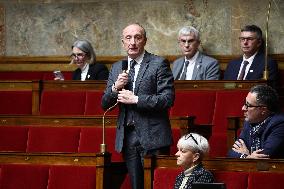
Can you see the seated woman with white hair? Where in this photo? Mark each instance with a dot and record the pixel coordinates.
(191, 150)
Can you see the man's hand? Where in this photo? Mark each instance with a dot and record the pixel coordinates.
(240, 147)
(121, 81)
(127, 97)
(258, 154)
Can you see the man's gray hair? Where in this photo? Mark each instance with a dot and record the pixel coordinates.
(187, 30)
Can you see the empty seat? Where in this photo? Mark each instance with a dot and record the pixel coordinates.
(62, 103)
(91, 138)
(16, 102)
(13, 138)
(93, 104)
(195, 103)
(165, 177)
(228, 103)
(23, 176)
(53, 139)
(21, 75)
(257, 180)
(72, 177)
(233, 180)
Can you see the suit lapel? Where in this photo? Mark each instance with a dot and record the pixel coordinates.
(198, 63)
(255, 66)
(179, 68)
(143, 67)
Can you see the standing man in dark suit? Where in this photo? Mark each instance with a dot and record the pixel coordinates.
(263, 132)
(252, 64)
(194, 65)
(144, 94)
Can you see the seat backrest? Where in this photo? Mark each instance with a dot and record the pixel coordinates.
(91, 138)
(13, 138)
(195, 103)
(16, 102)
(72, 177)
(165, 177)
(53, 139)
(176, 136)
(21, 75)
(228, 103)
(93, 104)
(24, 176)
(62, 103)
(233, 180)
(257, 180)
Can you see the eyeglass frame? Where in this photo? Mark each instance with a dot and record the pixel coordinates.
(242, 39)
(190, 136)
(189, 42)
(78, 55)
(248, 105)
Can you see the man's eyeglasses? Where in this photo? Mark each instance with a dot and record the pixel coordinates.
(77, 55)
(242, 39)
(191, 136)
(248, 105)
(190, 41)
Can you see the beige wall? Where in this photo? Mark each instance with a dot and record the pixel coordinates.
(49, 27)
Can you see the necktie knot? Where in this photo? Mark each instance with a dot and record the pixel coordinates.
(132, 64)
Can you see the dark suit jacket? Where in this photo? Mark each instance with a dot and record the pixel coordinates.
(272, 138)
(199, 174)
(256, 69)
(154, 87)
(206, 68)
(96, 72)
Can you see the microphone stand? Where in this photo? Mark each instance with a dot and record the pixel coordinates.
(266, 72)
(103, 146)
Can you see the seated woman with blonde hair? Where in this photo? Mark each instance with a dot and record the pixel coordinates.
(191, 150)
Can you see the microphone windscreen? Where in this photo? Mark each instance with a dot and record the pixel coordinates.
(124, 65)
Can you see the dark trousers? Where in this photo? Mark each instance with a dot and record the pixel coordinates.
(134, 153)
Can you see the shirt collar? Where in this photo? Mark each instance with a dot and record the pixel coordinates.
(250, 59)
(193, 59)
(189, 171)
(139, 59)
(85, 68)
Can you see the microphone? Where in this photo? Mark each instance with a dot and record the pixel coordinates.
(103, 146)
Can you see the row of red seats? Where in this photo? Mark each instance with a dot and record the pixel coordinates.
(209, 107)
(77, 139)
(165, 178)
(33, 139)
(32, 176)
(32, 75)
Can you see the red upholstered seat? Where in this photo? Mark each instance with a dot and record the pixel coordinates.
(91, 138)
(259, 180)
(53, 139)
(233, 180)
(228, 103)
(72, 177)
(21, 75)
(62, 103)
(22, 176)
(16, 102)
(165, 177)
(93, 104)
(13, 138)
(195, 103)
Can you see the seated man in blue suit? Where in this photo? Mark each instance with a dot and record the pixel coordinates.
(263, 132)
(252, 64)
(194, 65)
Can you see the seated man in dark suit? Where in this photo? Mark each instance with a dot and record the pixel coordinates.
(263, 132)
(194, 65)
(252, 64)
